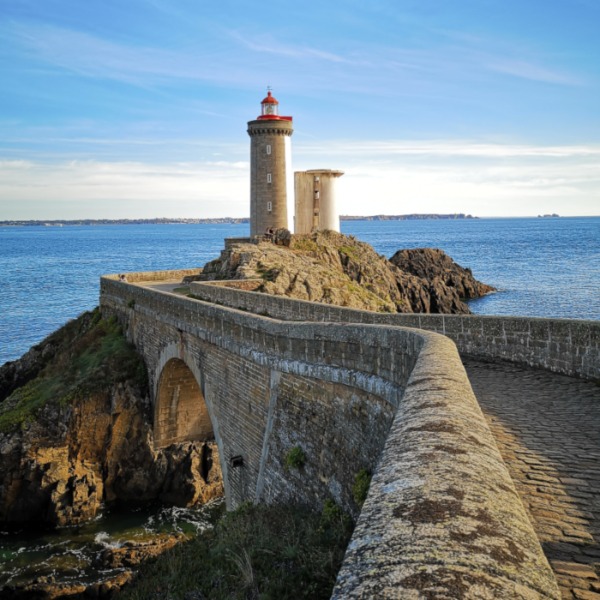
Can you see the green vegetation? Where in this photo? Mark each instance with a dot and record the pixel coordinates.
(254, 553)
(268, 274)
(183, 290)
(304, 245)
(93, 355)
(131, 303)
(350, 252)
(295, 458)
(360, 489)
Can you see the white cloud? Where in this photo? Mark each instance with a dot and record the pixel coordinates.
(460, 176)
(94, 189)
(446, 148)
(380, 178)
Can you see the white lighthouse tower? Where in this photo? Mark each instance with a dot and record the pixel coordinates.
(270, 168)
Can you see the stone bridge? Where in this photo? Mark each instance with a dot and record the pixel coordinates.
(349, 391)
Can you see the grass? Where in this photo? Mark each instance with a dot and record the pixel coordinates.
(304, 245)
(350, 251)
(93, 356)
(254, 553)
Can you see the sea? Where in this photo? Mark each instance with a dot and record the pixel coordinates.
(542, 267)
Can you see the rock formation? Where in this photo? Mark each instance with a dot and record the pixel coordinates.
(435, 265)
(79, 435)
(336, 269)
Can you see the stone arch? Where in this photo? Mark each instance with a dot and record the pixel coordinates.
(181, 413)
(188, 397)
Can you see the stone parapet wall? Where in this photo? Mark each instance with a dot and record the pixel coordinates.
(175, 275)
(567, 346)
(442, 516)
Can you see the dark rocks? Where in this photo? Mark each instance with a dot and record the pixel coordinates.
(441, 271)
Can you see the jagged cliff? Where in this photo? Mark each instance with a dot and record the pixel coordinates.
(76, 432)
(338, 269)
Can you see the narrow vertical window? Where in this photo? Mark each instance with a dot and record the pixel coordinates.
(268, 148)
(269, 206)
(269, 178)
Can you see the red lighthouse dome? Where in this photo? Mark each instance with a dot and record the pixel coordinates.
(270, 109)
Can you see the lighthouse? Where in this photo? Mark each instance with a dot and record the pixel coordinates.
(270, 168)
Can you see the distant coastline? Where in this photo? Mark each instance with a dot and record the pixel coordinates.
(218, 220)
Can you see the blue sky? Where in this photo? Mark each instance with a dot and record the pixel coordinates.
(138, 108)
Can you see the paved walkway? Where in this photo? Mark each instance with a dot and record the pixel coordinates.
(547, 428)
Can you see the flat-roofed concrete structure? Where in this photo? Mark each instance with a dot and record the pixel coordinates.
(316, 202)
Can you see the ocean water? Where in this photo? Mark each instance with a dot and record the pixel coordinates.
(48, 275)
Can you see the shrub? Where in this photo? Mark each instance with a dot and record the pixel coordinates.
(295, 458)
(360, 489)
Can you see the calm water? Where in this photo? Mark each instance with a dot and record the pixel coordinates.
(48, 275)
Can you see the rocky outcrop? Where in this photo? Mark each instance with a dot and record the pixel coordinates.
(437, 267)
(91, 445)
(336, 269)
(14, 374)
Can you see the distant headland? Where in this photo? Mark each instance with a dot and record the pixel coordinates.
(217, 220)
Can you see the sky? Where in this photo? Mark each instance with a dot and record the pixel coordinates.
(139, 108)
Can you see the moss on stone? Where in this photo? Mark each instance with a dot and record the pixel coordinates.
(93, 354)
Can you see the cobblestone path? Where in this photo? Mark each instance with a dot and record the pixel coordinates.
(547, 428)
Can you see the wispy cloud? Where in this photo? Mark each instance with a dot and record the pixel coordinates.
(533, 72)
(92, 56)
(446, 148)
(268, 45)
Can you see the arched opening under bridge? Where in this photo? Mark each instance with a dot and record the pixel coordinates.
(181, 414)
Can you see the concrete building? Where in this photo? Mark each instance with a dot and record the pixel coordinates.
(270, 168)
(316, 206)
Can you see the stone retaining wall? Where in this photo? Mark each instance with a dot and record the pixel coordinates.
(567, 346)
(442, 517)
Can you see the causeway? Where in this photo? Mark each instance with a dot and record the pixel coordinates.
(547, 427)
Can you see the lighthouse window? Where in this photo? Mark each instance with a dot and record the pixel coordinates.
(268, 148)
(269, 206)
(269, 178)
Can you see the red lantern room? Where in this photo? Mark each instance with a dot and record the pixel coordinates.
(270, 109)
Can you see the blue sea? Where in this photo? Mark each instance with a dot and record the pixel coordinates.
(544, 267)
